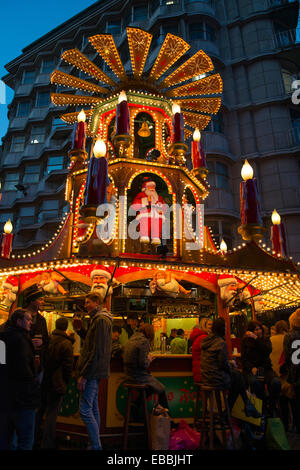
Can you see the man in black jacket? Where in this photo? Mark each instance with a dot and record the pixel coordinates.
(21, 382)
(58, 371)
(94, 364)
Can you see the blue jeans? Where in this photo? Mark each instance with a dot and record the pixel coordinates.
(23, 422)
(89, 412)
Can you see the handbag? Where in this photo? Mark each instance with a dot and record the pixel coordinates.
(160, 425)
(238, 410)
(275, 435)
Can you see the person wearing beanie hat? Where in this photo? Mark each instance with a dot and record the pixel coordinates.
(292, 361)
(58, 371)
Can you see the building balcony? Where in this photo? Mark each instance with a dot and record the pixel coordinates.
(216, 143)
(209, 47)
(287, 39)
(204, 7)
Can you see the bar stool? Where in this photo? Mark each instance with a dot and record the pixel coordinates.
(197, 419)
(210, 394)
(142, 389)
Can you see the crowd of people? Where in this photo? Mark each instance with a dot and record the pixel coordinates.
(40, 366)
(268, 366)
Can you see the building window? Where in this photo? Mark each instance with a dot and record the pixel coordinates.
(47, 66)
(221, 230)
(23, 109)
(140, 13)
(202, 31)
(26, 216)
(216, 123)
(11, 180)
(170, 2)
(28, 77)
(18, 143)
(32, 174)
(154, 4)
(55, 163)
(218, 176)
(49, 210)
(43, 99)
(114, 28)
(288, 78)
(37, 135)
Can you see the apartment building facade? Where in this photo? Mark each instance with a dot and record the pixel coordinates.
(254, 45)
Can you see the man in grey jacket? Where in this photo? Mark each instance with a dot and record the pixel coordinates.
(94, 364)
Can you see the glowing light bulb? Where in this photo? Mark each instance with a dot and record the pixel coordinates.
(81, 116)
(276, 219)
(100, 148)
(197, 135)
(247, 171)
(176, 108)
(8, 227)
(122, 96)
(223, 246)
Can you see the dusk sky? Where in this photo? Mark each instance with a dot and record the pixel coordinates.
(23, 23)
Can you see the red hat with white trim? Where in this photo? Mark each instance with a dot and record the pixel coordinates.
(148, 182)
(101, 272)
(226, 281)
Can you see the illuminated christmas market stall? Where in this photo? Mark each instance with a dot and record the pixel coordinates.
(135, 230)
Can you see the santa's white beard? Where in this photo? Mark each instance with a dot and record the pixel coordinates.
(153, 195)
(101, 289)
(227, 296)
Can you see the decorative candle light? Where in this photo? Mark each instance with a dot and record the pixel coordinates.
(6, 240)
(198, 154)
(278, 237)
(177, 124)
(250, 210)
(252, 227)
(79, 135)
(223, 246)
(122, 117)
(95, 192)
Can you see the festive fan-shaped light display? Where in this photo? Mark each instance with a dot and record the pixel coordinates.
(194, 96)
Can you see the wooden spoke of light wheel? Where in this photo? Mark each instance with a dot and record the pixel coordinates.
(105, 46)
(196, 120)
(70, 118)
(204, 105)
(62, 78)
(63, 99)
(199, 63)
(171, 50)
(139, 42)
(205, 86)
(79, 60)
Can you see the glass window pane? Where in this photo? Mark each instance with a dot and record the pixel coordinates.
(32, 174)
(140, 13)
(55, 163)
(37, 135)
(23, 109)
(28, 77)
(43, 99)
(114, 27)
(47, 66)
(18, 143)
(27, 211)
(197, 31)
(171, 28)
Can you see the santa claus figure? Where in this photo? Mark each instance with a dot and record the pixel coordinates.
(151, 208)
(9, 294)
(50, 283)
(228, 290)
(100, 279)
(167, 282)
(258, 303)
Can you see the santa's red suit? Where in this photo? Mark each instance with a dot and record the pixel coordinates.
(151, 209)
